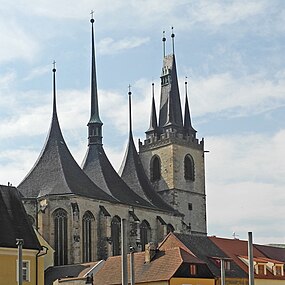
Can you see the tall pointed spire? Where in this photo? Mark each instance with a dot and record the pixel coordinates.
(163, 42)
(94, 124)
(54, 89)
(189, 130)
(153, 119)
(130, 110)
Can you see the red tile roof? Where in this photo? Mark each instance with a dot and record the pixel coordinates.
(162, 267)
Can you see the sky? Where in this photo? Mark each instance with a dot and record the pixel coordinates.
(232, 53)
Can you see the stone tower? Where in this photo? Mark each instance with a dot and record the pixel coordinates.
(172, 156)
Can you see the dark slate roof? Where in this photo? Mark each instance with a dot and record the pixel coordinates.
(170, 106)
(98, 167)
(273, 252)
(205, 250)
(56, 172)
(133, 174)
(56, 272)
(14, 220)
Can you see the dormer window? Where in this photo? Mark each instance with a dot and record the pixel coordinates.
(278, 270)
(261, 269)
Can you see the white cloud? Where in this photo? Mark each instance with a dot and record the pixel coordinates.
(37, 71)
(110, 46)
(245, 181)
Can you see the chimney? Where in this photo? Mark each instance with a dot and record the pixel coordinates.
(150, 250)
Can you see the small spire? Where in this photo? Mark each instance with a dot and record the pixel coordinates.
(163, 42)
(94, 118)
(172, 38)
(153, 118)
(54, 88)
(130, 109)
(187, 118)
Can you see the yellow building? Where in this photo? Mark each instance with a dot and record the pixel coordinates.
(15, 225)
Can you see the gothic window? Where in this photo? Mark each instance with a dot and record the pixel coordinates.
(60, 236)
(189, 168)
(170, 228)
(145, 231)
(87, 229)
(155, 168)
(116, 235)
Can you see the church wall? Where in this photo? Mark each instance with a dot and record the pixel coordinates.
(101, 233)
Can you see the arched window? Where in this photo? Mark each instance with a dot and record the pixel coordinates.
(155, 168)
(145, 231)
(189, 170)
(87, 229)
(170, 228)
(116, 235)
(60, 236)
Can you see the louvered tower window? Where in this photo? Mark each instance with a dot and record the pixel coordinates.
(60, 236)
(87, 229)
(145, 231)
(189, 170)
(116, 235)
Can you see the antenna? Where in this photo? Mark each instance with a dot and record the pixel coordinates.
(172, 38)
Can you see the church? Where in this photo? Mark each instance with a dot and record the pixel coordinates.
(160, 187)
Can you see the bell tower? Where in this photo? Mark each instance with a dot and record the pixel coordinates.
(172, 156)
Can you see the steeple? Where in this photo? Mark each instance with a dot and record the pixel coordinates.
(189, 130)
(170, 114)
(94, 124)
(56, 172)
(153, 119)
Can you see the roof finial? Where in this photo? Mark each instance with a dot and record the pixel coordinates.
(92, 16)
(54, 88)
(186, 89)
(172, 37)
(163, 42)
(130, 109)
(152, 89)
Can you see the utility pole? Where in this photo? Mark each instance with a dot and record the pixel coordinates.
(124, 260)
(250, 260)
(132, 265)
(19, 243)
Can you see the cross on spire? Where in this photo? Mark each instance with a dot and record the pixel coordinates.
(92, 14)
(53, 63)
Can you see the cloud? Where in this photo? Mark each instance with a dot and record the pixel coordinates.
(245, 178)
(110, 46)
(37, 71)
(16, 42)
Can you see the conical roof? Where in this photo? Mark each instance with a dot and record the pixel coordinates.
(133, 174)
(56, 172)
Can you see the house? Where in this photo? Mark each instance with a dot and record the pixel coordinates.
(268, 261)
(15, 224)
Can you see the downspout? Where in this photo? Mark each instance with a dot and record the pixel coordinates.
(37, 257)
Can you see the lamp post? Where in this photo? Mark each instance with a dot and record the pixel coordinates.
(19, 243)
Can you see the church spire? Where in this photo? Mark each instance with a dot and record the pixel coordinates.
(94, 124)
(153, 119)
(54, 113)
(170, 113)
(130, 112)
(187, 118)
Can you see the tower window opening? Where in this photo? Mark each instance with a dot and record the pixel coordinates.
(155, 168)
(189, 173)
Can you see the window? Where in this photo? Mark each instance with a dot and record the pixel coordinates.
(190, 206)
(278, 270)
(145, 231)
(227, 265)
(261, 270)
(60, 236)
(25, 270)
(170, 228)
(87, 229)
(189, 168)
(116, 235)
(155, 168)
(193, 269)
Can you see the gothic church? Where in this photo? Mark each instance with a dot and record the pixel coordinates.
(78, 210)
